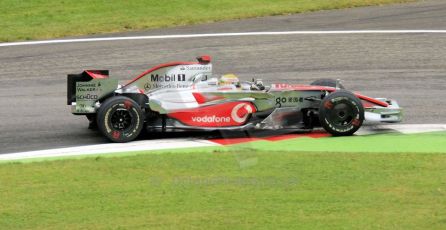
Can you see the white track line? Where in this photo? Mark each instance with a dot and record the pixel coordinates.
(176, 143)
(401, 128)
(173, 143)
(328, 32)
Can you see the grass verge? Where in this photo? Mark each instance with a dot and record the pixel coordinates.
(348, 182)
(42, 19)
(215, 190)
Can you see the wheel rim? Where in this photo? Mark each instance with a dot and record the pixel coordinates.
(342, 114)
(121, 119)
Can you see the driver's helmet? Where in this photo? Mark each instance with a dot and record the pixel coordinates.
(228, 79)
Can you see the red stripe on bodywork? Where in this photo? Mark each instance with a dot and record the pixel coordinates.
(159, 67)
(95, 74)
(199, 98)
(202, 98)
(371, 100)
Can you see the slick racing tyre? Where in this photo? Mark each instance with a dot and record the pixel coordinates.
(327, 82)
(341, 113)
(120, 119)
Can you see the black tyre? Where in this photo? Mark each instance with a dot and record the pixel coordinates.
(327, 82)
(120, 119)
(341, 113)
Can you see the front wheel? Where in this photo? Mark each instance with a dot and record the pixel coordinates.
(341, 113)
(120, 119)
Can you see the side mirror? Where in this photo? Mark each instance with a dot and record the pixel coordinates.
(204, 59)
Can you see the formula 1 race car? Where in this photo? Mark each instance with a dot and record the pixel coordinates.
(186, 96)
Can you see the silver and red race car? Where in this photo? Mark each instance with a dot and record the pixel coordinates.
(187, 96)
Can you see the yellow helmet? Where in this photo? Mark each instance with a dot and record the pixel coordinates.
(228, 79)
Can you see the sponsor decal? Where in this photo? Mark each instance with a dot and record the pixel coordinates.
(87, 93)
(239, 109)
(147, 86)
(281, 86)
(85, 84)
(227, 114)
(198, 67)
(128, 105)
(211, 119)
(168, 81)
(167, 78)
(288, 100)
(116, 135)
(85, 89)
(87, 97)
(82, 108)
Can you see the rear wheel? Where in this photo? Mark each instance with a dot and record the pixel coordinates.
(120, 119)
(341, 113)
(327, 82)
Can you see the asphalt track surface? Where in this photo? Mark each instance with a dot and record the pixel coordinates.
(408, 67)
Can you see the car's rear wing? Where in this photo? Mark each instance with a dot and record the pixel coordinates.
(86, 88)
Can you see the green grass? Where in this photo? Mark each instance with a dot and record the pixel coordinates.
(42, 19)
(434, 142)
(212, 191)
(389, 181)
